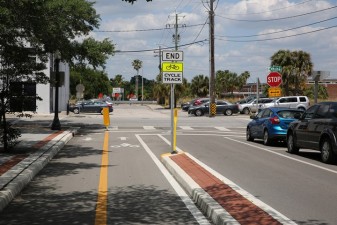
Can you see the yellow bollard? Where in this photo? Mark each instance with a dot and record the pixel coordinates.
(106, 117)
(175, 120)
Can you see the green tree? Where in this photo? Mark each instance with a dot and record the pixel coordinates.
(161, 91)
(137, 65)
(94, 81)
(296, 67)
(200, 86)
(47, 27)
(227, 82)
(322, 92)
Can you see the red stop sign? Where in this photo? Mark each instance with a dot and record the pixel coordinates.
(274, 79)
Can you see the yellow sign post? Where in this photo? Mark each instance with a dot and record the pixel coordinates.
(106, 117)
(175, 120)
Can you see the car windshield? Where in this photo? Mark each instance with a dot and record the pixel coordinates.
(288, 114)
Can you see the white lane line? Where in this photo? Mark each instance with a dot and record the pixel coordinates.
(285, 156)
(200, 218)
(149, 128)
(186, 128)
(222, 128)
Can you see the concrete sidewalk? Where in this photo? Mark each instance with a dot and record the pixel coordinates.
(37, 145)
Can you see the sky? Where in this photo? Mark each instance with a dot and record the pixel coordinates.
(247, 33)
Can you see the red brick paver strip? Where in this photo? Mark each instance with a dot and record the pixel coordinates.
(18, 158)
(240, 208)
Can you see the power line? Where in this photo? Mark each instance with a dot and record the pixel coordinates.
(273, 10)
(275, 32)
(142, 30)
(269, 39)
(150, 50)
(282, 18)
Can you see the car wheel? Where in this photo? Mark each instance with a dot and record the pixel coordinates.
(266, 139)
(198, 112)
(76, 110)
(301, 108)
(228, 112)
(327, 155)
(249, 135)
(246, 111)
(291, 144)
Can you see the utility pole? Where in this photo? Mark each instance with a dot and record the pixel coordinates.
(212, 108)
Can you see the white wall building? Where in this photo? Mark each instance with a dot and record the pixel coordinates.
(47, 91)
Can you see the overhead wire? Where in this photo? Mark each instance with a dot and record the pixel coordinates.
(275, 32)
(276, 38)
(282, 18)
(148, 50)
(268, 11)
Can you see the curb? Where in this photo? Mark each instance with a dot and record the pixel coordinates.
(13, 181)
(208, 206)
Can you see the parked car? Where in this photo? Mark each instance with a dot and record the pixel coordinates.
(271, 124)
(316, 129)
(253, 105)
(295, 102)
(222, 107)
(194, 102)
(185, 105)
(90, 106)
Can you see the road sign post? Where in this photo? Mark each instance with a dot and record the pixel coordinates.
(172, 70)
(274, 79)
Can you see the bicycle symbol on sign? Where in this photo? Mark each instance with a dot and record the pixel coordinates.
(172, 67)
(124, 145)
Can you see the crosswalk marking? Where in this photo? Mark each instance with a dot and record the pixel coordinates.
(186, 128)
(222, 128)
(149, 127)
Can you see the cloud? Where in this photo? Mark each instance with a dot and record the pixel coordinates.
(234, 20)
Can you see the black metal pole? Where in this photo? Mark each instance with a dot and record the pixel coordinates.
(56, 125)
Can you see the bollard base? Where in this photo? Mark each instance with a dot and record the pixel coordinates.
(174, 152)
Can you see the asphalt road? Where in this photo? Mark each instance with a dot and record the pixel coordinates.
(140, 191)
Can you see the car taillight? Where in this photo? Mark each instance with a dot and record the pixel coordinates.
(274, 120)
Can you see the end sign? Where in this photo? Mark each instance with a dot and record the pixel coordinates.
(172, 56)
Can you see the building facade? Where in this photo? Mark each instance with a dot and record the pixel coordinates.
(47, 91)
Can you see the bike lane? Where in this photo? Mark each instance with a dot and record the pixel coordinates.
(141, 190)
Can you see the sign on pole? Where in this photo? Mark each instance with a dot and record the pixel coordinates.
(274, 92)
(274, 79)
(172, 72)
(275, 68)
(172, 56)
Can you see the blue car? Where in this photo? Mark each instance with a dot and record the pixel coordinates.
(271, 124)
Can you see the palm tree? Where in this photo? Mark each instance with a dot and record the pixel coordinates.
(161, 91)
(137, 64)
(296, 67)
(200, 86)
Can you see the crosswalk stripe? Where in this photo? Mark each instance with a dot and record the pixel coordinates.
(149, 127)
(222, 128)
(186, 128)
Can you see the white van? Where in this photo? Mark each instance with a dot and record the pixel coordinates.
(295, 102)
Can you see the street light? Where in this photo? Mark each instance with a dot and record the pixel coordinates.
(56, 125)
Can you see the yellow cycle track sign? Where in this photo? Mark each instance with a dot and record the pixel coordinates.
(172, 67)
